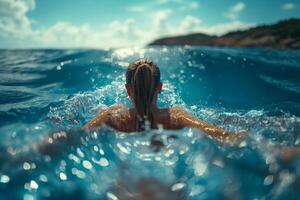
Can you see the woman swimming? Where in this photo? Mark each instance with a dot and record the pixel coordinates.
(143, 86)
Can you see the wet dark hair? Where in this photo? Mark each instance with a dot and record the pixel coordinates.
(144, 76)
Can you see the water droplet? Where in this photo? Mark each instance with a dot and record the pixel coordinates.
(86, 164)
(243, 144)
(26, 166)
(196, 189)
(123, 149)
(33, 166)
(96, 148)
(101, 151)
(50, 140)
(43, 178)
(62, 176)
(190, 133)
(103, 162)
(194, 107)
(79, 152)
(78, 173)
(33, 185)
(200, 165)
(111, 196)
(219, 163)
(74, 158)
(177, 186)
(4, 178)
(268, 180)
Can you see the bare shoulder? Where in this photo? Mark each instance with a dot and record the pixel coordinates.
(117, 110)
(173, 112)
(107, 116)
(118, 107)
(172, 117)
(119, 118)
(177, 111)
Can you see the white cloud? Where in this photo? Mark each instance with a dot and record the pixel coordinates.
(192, 24)
(126, 30)
(127, 33)
(190, 6)
(13, 18)
(155, 4)
(116, 34)
(235, 10)
(16, 30)
(65, 34)
(288, 6)
(220, 29)
(189, 24)
(240, 6)
(160, 21)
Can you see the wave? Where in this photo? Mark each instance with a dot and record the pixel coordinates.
(48, 92)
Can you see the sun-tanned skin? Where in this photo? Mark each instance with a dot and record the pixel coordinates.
(123, 119)
(140, 77)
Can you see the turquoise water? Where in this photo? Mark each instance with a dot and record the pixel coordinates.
(45, 91)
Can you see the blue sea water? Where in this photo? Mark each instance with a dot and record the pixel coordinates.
(47, 91)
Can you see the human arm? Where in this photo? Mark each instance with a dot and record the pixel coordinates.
(187, 120)
(97, 120)
(55, 142)
(103, 117)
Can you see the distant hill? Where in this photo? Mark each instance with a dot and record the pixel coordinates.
(284, 34)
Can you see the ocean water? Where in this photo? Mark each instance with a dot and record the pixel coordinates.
(44, 92)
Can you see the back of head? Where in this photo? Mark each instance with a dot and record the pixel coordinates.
(144, 77)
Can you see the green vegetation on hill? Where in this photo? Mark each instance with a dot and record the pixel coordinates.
(284, 34)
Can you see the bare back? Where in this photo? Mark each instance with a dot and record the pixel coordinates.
(173, 118)
(124, 120)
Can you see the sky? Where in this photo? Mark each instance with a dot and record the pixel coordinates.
(124, 23)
